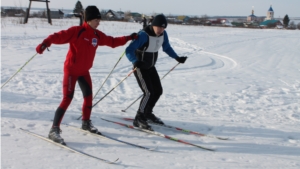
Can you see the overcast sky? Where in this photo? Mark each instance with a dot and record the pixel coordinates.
(179, 7)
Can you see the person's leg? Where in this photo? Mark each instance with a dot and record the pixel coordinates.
(85, 84)
(155, 95)
(157, 90)
(144, 82)
(69, 82)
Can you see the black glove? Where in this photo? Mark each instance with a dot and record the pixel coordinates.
(138, 64)
(181, 59)
(132, 36)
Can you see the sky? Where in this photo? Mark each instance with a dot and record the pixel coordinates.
(180, 7)
(237, 83)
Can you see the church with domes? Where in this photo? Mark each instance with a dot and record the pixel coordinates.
(270, 21)
(270, 14)
(252, 17)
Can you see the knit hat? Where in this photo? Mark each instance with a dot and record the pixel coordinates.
(92, 12)
(160, 20)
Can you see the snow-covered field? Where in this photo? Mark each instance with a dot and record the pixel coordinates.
(243, 84)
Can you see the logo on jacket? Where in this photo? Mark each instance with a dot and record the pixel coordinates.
(94, 42)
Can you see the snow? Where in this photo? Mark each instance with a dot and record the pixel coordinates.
(243, 84)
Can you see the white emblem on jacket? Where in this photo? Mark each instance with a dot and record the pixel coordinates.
(94, 42)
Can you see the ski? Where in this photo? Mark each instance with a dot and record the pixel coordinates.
(180, 129)
(157, 134)
(63, 145)
(111, 138)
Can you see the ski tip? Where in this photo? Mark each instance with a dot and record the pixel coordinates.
(123, 110)
(221, 138)
(114, 162)
(154, 149)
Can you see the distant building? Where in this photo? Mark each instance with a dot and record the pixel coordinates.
(252, 17)
(182, 19)
(57, 14)
(270, 22)
(110, 14)
(270, 14)
(13, 12)
(220, 22)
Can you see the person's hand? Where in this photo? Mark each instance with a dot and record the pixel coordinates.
(138, 64)
(41, 47)
(132, 36)
(181, 59)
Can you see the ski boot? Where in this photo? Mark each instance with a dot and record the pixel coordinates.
(153, 119)
(54, 135)
(141, 122)
(87, 125)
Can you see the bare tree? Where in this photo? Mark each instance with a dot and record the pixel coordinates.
(203, 19)
(127, 15)
(292, 25)
(298, 26)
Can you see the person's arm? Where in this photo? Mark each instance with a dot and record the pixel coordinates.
(167, 47)
(113, 42)
(134, 45)
(61, 37)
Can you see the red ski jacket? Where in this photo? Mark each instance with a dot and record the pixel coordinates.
(83, 41)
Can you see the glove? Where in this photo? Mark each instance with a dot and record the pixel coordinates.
(138, 64)
(132, 36)
(181, 59)
(41, 47)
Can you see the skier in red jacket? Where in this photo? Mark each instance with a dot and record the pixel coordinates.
(84, 41)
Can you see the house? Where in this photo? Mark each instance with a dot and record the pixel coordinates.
(183, 19)
(136, 16)
(56, 14)
(14, 12)
(271, 24)
(220, 22)
(110, 14)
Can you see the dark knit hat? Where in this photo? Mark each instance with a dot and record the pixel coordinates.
(160, 20)
(92, 12)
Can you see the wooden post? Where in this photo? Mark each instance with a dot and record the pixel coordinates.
(48, 13)
(27, 13)
(47, 10)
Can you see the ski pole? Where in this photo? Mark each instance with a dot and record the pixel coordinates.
(18, 70)
(111, 90)
(109, 75)
(143, 94)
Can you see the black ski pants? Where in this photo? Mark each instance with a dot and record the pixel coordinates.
(149, 82)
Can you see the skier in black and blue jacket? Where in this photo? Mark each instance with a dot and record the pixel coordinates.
(143, 53)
